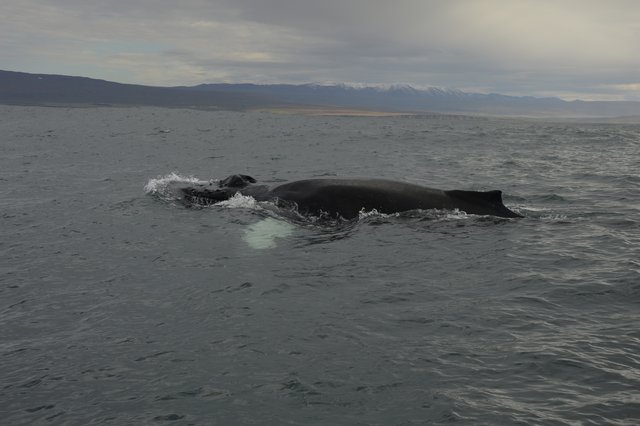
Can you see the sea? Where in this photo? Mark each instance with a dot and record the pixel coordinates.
(120, 305)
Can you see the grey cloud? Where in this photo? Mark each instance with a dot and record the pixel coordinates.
(524, 47)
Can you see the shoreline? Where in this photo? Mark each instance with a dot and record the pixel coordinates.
(334, 112)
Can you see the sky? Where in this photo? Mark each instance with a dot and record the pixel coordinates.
(572, 49)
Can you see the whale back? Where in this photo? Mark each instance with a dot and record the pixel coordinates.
(347, 197)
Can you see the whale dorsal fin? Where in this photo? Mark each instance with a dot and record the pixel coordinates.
(492, 197)
(476, 202)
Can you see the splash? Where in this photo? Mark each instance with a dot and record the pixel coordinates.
(239, 201)
(160, 184)
(363, 214)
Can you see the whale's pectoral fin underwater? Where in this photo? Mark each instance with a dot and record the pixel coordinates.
(341, 197)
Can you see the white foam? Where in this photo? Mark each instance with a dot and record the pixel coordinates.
(363, 214)
(531, 208)
(555, 217)
(239, 201)
(160, 184)
(431, 213)
(455, 214)
(262, 235)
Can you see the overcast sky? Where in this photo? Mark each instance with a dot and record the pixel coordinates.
(568, 48)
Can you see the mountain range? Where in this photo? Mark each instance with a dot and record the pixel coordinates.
(18, 88)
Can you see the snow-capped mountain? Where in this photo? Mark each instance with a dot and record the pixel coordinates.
(44, 89)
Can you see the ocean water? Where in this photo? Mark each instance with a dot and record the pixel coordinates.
(119, 305)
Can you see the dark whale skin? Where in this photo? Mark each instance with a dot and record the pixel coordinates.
(346, 197)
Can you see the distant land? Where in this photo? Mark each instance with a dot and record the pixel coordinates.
(18, 88)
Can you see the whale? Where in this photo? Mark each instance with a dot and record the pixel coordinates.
(345, 198)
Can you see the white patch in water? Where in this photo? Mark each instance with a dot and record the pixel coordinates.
(263, 234)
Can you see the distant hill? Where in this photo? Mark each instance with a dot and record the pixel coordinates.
(407, 98)
(42, 89)
(18, 88)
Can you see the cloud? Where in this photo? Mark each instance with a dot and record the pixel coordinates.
(584, 47)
